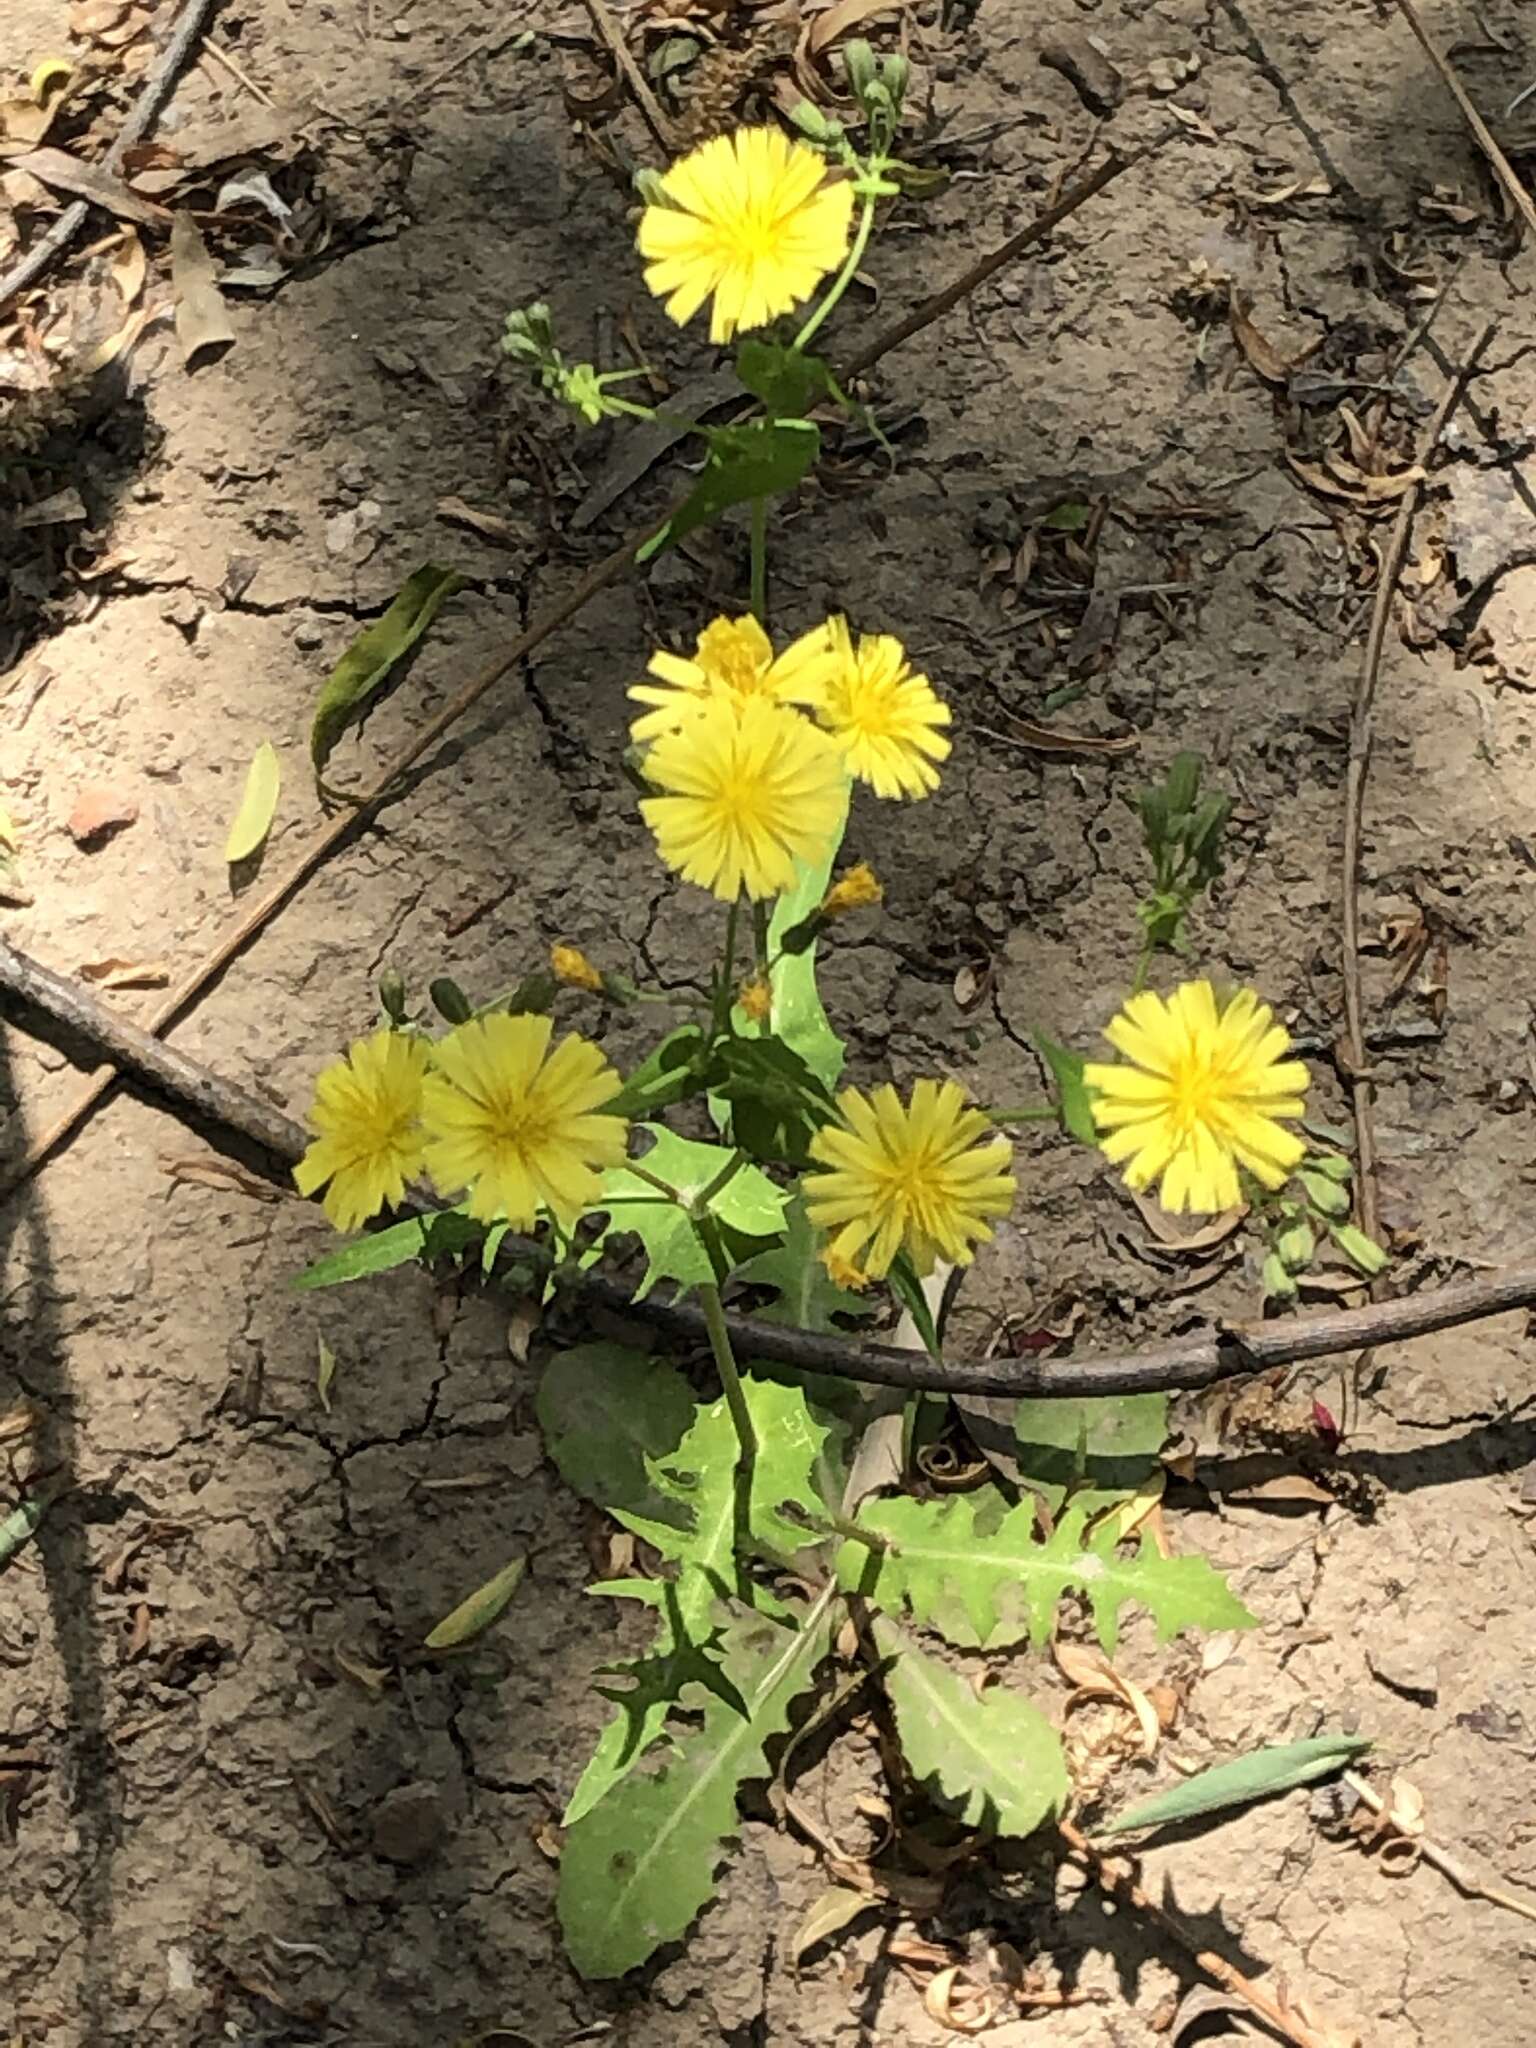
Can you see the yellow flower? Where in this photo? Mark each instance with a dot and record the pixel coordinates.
(570, 966)
(857, 890)
(516, 1124)
(1198, 1096)
(853, 1279)
(753, 221)
(733, 659)
(925, 1178)
(748, 791)
(756, 1000)
(366, 1117)
(887, 719)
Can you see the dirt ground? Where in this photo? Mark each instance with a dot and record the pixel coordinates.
(199, 1839)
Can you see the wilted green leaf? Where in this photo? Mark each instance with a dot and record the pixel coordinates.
(750, 1205)
(1109, 1444)
(325, 1372)
(992, 1759)
(1259, 1776)
(363, 669)
(472, 1617)
(253, 820)
(952, 1554)
(1073, 1099)
(638, 1866)
(758, 460)
(604, 1409)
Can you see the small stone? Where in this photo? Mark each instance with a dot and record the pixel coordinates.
(98, 814)
(482, 1416)
(307, 636)
(408, 1824)
(1403, 1671)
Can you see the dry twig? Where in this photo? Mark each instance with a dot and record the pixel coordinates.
(1514, 191)
(1356, 1058)
(157, 89)
(1442, 1860)
(597, 579)
(634, 77)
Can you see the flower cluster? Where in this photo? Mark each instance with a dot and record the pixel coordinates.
(751, 751)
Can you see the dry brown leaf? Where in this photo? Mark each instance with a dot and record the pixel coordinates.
(61, 172)
(99, 811)
(19, 1422)
(1093, 1677)
(1218, 1649)
(1285, 1486)
(129, 267)
(1051, 739)
(828, 1915)
(1260, 353)
(1341, 480)
(958, 2004)
(209, 1172)
(1299, 188)
(202, 318)
(1203, 1238)
(972, 983)
(829, 28)
(113, 974)
(108, 351)
(374, 1676)
(486, 524)
(522, 1324)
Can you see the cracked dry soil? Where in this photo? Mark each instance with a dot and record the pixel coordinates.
(216, 1833)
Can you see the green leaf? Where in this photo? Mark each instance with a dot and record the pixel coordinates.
(1108, 1443)
(417, 1237)
(1259, 1776)
(1070, 516)
(1073, 1100)
(777, 1101)
(1181, 786)
(946, 1562)
(604, 1410)
(362, 671)
(991, 1759)
(1363, 1252)
(908, 1289)
(799, 1017)
(253, 820)
(670, 1074)
(472, 1617)
(21, 1525)
(758, 460)
(785, 380)
(749, 1204)
(807, 1298)
(325, 1372)
(641, 1863)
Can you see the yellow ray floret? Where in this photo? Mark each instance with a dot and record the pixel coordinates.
(747, 792)
(889, 721)
(927, 1178)
(1199, 1092)
(734, 660)
(753, 223)
(516, 1124)
(367, 1121)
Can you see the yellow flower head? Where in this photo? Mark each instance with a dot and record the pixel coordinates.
(756, 1000)
(748, 791)
(734, 660)
(889, 721)
(925, 1177)
(571, 967)
(857, 890)
(752, 221)
(852, 1279)
(1198, 1094)
(366, 1117)
(516, 1124)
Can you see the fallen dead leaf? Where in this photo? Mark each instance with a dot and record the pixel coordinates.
(1050, 739)
(828, 1915)
(832, 26)
(1299, 188)
(209, 1172)
(1260, 353)
(1342, 480)
(972, 983)
(374, 1676)
(115, 974)
(129, 267)
(522, 1326)
(99, 812)
(202, 318)
(487, 524)
(1167, 1232)
(60, 508)
(1093, 1677)
(956, 2003)
(61, 172)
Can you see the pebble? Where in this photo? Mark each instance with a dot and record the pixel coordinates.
(408, 1824)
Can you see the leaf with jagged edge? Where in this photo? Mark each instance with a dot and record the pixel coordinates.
(807, 1297)
(604, 1409)
(694, 1492)
(941, 1551)
(749, 1206)
(992, 1758)
(639, 1865)
(1108, 1442)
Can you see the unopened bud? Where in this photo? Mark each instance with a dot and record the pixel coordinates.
(756, 1000)
(392, 995)
(573, 969)
(651, 187)
(857, 890)
(812, 122)
(859, 63)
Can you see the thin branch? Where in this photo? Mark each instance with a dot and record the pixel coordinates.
(1190, 1362)
(634, 77)
(1466, 1881)
(1118, 1880)
(1514, 191)
(597, 579)
(1356, 1056)
(158, 86)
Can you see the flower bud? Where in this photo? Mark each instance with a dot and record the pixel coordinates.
(857, 890)
(859, 63)
(756, 1000)
(572, 969)
(651, 188)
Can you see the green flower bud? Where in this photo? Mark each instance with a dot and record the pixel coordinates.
(859, 63)
(1277, 1282)
(648, 184)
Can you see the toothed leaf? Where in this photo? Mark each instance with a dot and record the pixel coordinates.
(748, 1207)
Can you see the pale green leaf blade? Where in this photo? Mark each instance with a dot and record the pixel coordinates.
(641, 1863)
(258, 806)
(472, 1617)
(604, 1409)
(416, 1237)
(837, 1908)
(1279, 1768)
(1109, 1443)
(806, 1299)
(1073, 1102)
(363, 669)
(992, 1759)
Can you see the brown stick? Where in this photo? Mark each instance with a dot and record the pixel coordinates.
(156, 90)
(549, 621)
(1466, 1882)
(634, 77)
(1514, 191)
(1117, 1880)
(1191, 1362)
(1356, 1056)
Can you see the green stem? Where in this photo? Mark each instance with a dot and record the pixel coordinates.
(1143, 967)
(760, 561)
(730, 1380)
(702, 1201)
(844, 277)
(725, 994)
